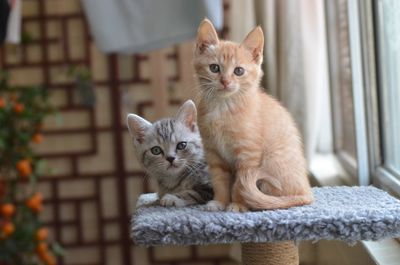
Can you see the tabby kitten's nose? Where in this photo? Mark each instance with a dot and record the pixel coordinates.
(170, 159)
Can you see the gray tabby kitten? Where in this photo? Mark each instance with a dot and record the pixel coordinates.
(170, 150)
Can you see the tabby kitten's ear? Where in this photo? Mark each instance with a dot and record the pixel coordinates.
(206, 36)
(254, 42)
(188, 115)
(137, 127)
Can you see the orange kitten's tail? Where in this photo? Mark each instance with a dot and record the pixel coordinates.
(257, 200)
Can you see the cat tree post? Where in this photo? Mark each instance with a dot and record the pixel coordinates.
(342, 213)
(282, 253)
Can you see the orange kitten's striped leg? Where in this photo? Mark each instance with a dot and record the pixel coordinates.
(220, 178)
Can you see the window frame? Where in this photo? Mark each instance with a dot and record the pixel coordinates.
(369, 26)
(343, 159)
(368, 167)
(382, 177)
(358, 60)
(356, 168)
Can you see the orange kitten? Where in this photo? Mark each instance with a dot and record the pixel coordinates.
(253, 147)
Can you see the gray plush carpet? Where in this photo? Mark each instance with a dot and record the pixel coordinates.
(341, 213)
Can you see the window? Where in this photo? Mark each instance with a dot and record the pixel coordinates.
(386, 172)
(364, 62)
(341, 84)
(388, 62)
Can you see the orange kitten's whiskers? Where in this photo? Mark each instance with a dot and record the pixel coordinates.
(252, 144)
(205, 78)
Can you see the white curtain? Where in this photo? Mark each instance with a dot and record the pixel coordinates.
(147, 25)
(295, 63)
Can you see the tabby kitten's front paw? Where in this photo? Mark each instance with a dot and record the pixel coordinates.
(171, 200)
(236, 207)
(214, 206)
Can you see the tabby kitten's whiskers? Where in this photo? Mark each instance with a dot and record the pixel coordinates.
(170, 150)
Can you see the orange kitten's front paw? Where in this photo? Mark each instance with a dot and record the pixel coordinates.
(236, 207)
(214, 206)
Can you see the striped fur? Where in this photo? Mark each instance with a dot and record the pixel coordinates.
(185, 181)
(253, 147)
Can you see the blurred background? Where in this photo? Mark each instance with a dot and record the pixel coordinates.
(103, 59)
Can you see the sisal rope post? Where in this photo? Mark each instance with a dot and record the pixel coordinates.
(281, 253)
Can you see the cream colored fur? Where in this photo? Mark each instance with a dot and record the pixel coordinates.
(253, 147)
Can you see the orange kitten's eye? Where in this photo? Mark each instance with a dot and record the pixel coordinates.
(214, 68)
(238, 71)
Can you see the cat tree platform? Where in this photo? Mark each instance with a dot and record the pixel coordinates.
(338, 213)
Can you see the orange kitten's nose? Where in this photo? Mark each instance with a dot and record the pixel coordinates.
(224, 82)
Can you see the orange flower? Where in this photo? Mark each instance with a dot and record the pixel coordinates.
(42, 251)
(48, 259)
(8, 228)
(7, 210)
(42, 234)
(19, 108)
(35, 202)
(37, 138)
(2, 103)
(41, 248)
(24, 168)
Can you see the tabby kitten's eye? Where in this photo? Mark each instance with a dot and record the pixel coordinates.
(156, 150)
(181, 145)
(238, 71)
(214, 68)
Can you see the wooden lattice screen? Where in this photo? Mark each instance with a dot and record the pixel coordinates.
(91, 192)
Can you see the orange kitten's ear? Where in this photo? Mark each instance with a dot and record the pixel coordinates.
(206, 36)
(254, 42)
(137, 127)
(188, 115)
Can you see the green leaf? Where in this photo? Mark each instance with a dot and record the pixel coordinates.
(59, 119)
(16, 132)
(41, 167)
(58, 249)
